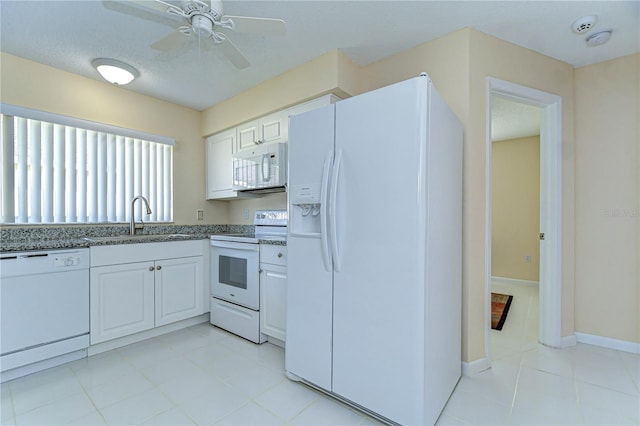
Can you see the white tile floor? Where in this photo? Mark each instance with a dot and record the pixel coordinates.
(202, 375)
(530, 384)
(199, 375)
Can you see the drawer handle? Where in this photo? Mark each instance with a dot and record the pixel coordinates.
(158, 267)
(279, 254)
(151, 268)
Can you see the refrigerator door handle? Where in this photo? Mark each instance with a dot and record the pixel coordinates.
(324, 231)
(333, 196)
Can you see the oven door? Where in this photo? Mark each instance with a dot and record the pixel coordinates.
(235, 273)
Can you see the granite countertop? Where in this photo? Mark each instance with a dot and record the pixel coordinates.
(23, 238)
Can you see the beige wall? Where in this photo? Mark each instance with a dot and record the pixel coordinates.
(332, 72)
(32, 85)
(446, 60)
(607, 199)
(515, 221)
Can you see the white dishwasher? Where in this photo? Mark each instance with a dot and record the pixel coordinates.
(44, 315)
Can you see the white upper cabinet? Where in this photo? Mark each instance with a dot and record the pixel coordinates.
(219, 149)
(268, 129)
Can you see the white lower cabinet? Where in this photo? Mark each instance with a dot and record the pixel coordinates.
(121, 300)
(127, 298)
(273, 291)
(178, 289)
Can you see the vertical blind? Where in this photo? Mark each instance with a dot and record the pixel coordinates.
(72, 171)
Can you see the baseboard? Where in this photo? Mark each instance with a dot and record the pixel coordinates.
(5, 376)
(608, 342)
(515, 281)
(473, 367)
(568, 341)
(143, 335)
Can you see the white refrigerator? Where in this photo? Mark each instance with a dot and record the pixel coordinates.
(374, 246)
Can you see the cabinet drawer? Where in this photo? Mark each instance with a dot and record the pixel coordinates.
(274, 254)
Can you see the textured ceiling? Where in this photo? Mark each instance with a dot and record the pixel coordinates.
(510, 120)
(69, 34)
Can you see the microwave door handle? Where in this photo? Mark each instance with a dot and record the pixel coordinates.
(266, 167)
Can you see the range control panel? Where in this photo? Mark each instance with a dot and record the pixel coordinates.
(271, 217)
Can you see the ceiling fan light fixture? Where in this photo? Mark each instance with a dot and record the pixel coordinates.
(115, 72)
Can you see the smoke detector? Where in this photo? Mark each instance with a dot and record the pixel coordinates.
(597, 39)
(584, 24)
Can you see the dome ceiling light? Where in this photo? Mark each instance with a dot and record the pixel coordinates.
(115, 72)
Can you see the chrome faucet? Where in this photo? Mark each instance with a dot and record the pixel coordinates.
(132, 223)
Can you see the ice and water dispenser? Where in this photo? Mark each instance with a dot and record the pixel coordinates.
(304, 215)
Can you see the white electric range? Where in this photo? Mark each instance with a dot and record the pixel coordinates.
(235, 274)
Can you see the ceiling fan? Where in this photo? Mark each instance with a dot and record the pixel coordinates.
(205, 19)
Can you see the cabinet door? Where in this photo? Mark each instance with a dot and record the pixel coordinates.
(273, 300)
(178, 289)
(274, 127)
(271, 128)
(220, 148)
(249, 135)
(121, 300)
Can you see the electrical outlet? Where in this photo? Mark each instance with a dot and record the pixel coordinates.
(200, 214)
(245, 213)
(527, 258)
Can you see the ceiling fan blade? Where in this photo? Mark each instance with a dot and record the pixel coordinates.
(232, 53)
(268, 26)
(133, 9)
(159, 6)
(172, 41)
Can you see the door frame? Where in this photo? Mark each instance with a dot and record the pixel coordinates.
(550, 279)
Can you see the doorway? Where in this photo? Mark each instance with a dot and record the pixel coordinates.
(515, 206)
(549, 323)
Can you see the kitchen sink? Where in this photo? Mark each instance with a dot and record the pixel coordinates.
(125, 237)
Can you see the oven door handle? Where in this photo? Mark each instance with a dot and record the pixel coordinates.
(236, 246)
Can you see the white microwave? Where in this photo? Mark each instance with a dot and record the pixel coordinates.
(261, 169)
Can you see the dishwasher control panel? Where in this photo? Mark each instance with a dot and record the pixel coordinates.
(42, 262)
(66, 261)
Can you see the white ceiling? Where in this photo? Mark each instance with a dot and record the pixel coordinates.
(69, 34)
(510, 119)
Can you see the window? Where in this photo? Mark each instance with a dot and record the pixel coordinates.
(57, 169)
